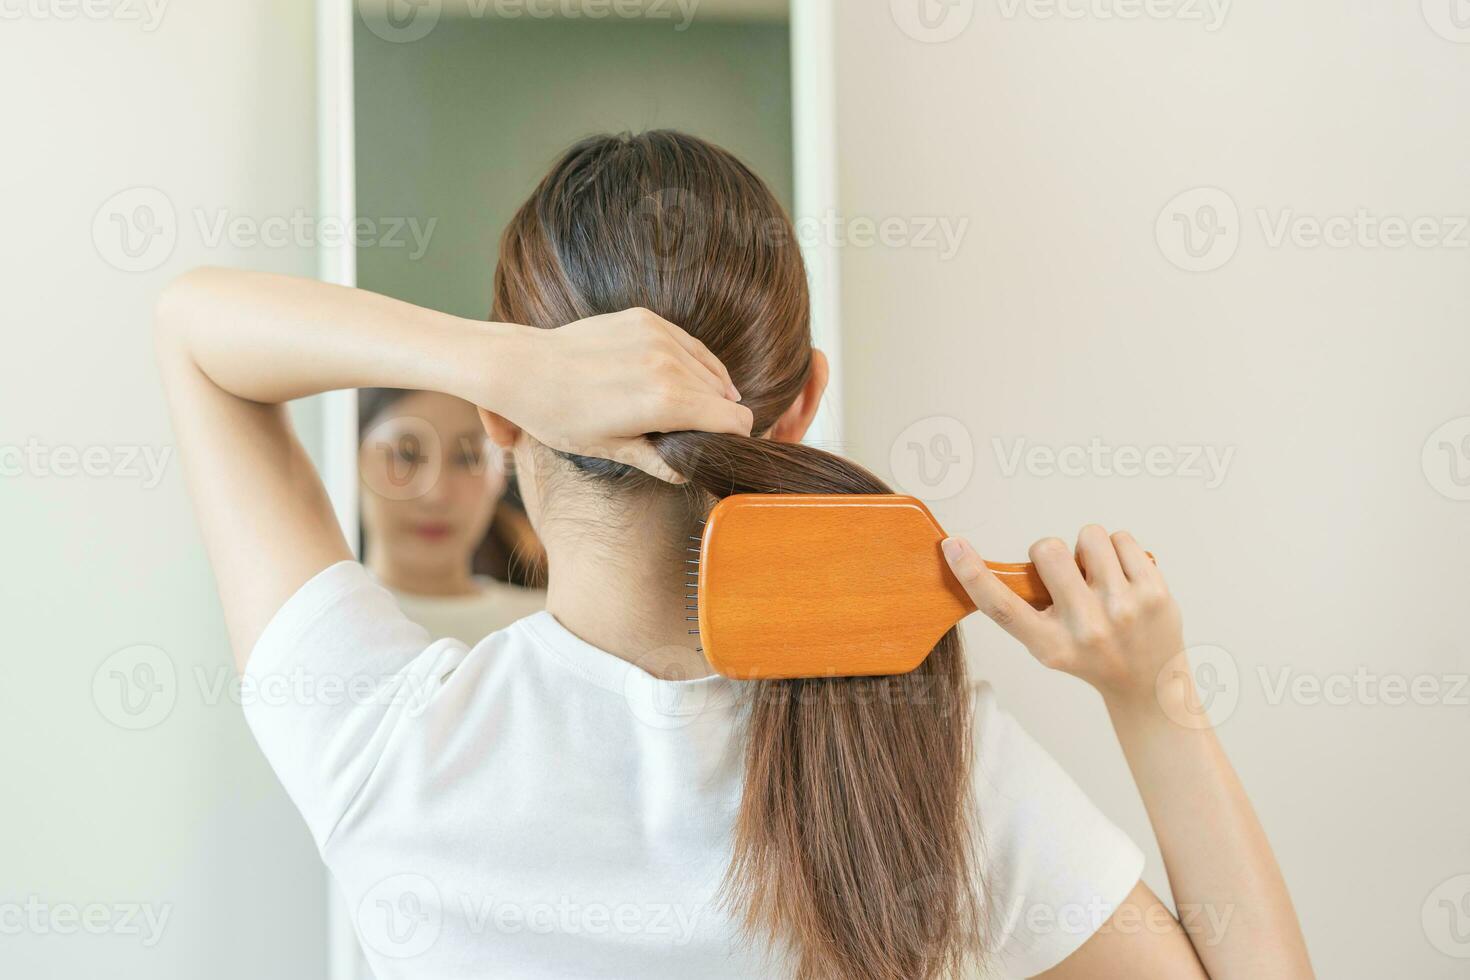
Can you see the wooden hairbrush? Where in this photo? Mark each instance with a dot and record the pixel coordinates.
(828, 585)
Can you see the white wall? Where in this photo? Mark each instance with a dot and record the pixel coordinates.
(1329, 546)
(210, 104)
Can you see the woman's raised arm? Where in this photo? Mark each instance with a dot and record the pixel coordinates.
(1115, 626)
(234, 346)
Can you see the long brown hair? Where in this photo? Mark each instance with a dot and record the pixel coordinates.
(855, 842)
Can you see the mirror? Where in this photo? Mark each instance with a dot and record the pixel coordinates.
(458, 112)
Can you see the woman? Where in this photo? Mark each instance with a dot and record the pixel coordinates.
(577, 796)
(430, 492)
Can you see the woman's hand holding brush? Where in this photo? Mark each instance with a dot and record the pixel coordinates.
(1112, 622)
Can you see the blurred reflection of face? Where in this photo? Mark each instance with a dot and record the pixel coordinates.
(430, 482)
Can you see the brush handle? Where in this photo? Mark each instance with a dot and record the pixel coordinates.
(1023, 579)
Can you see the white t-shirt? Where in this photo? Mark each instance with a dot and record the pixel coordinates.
(534, 807)
(468, 618)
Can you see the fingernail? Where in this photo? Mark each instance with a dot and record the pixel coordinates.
(954, 549)
(734, 393)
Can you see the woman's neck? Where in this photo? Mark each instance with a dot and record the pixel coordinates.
(620, 584)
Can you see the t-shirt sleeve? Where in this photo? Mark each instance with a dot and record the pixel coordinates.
(336, 672)
(1055, 867)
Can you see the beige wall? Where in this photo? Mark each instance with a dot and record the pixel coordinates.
(124, 809)
(1330, 546)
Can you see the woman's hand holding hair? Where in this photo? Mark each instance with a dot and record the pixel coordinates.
(597, 386)
(1114, 624)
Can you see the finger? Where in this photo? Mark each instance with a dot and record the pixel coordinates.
(708, 413)
(702, 376)
(1136, 563)
(989, 594)
(1098, 559)
(701, 354)
(639, 453)
(1058, 569)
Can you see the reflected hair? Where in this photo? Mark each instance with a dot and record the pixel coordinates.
(855, 844)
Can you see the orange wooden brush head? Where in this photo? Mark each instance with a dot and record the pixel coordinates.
(840, 585)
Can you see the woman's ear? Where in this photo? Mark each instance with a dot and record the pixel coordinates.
(501, 430)
(507, 435)
(797, 418)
